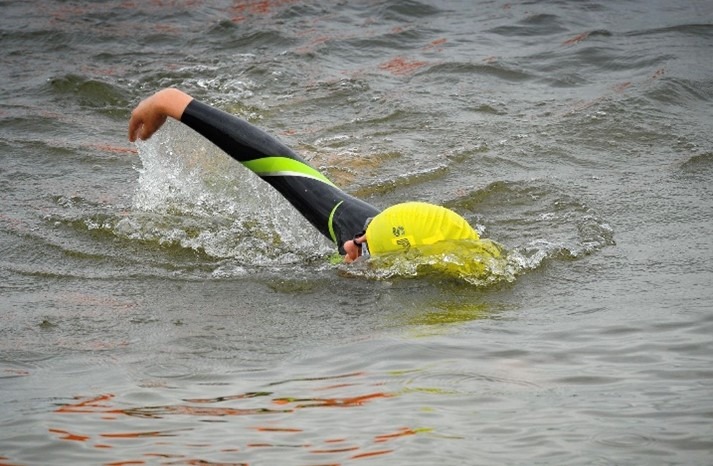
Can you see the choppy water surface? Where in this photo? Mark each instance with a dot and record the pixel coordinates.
(160, 305)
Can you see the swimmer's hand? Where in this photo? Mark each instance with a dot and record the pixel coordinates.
(352, 249)
(151, 113)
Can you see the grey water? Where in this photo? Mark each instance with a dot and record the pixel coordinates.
(161, 305)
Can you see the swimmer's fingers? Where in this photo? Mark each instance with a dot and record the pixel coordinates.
(145, 128)
(152, 112)
(145, 120)
(352, 249)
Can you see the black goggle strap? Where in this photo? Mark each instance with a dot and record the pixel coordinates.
(358, 244)
(363, 245)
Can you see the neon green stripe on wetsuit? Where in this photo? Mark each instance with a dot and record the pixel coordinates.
(336, 214)
(283, 166)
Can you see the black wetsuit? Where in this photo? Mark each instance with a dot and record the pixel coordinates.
(336, 214)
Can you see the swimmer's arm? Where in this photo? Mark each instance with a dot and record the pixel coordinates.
(152, 112)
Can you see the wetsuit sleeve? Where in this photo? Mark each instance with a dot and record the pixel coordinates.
(336, 214)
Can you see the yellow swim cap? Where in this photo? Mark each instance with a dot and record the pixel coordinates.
(415, 224)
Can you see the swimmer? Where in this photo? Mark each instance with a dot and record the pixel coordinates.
(356, 227)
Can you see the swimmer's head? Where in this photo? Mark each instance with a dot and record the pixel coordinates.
(411, 224)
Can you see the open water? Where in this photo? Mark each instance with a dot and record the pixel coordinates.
(160, 305)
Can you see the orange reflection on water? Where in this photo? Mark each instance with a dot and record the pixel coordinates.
(243, 9)
(153, 433)
(66, 435)
(331, 402)
(96, 405)
(369, 454)
(163, 455)
(219, 399)
(160, 411)
(277, 429)
(404, 431)
(335, 440)
(399, 66)
(272, 434)
(436, 44)
(339, 385)
(92, 405)
(335, 450)
(195, 462)
(15, 373)
(576, 39)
